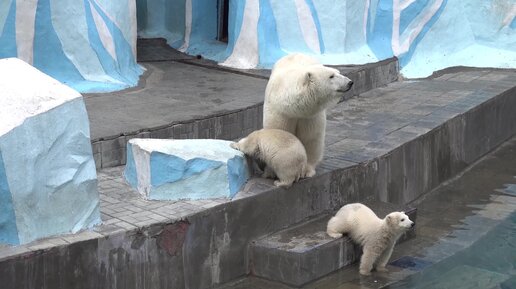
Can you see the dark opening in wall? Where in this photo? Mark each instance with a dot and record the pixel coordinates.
(223, 16)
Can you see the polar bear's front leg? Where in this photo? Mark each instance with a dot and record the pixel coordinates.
(311, 132)
(384, 259)
(369, 257)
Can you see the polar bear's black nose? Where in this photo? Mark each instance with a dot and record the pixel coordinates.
(413, 224)
(350, 84)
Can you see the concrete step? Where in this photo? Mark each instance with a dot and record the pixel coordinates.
(304, 253)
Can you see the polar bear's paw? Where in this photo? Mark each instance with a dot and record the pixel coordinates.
(283, 184)
(365, 272)
(334, 235)
(310, 172)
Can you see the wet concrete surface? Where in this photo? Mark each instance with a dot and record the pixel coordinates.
(451, 219)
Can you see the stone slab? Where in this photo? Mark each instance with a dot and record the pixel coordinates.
(162, 169)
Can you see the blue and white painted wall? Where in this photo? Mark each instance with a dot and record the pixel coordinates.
(426, 35)
(89, 45)
(188, 25)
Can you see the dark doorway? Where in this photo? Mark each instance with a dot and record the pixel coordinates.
(223, 8)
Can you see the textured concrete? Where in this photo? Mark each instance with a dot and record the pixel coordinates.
(301, 254)
(390, 144)
(194, 99)
(305, 252)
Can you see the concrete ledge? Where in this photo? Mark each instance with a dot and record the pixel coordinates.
(230, 119)
(294, 264)
(390, 144)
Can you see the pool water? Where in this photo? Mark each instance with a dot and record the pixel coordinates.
(490, 262)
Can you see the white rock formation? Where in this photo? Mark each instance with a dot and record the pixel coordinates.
(48, 181)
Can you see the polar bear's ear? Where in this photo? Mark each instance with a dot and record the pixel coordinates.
(308, 78)
(390, 219)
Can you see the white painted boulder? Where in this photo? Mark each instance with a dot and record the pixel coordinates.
(48, 181)
(165, 169)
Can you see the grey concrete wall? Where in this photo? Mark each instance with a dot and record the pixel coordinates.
(129, 260)
(422, 164)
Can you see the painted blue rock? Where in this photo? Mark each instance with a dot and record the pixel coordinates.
(164, 169)
(48, 181)
(88, 44)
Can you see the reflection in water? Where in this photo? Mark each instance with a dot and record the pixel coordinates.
(490, 262)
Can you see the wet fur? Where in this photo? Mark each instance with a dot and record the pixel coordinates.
(376, 236)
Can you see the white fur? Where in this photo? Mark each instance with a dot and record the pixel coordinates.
(376, 236)
(298, 92)
(281, 151)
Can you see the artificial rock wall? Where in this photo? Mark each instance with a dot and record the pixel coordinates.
(426, 35)
(89, 45)
(48, 181)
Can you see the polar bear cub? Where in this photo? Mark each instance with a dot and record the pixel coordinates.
(376, 236)
(283, 154)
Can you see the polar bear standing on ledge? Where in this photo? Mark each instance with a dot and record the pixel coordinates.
(298, 92)
(376, 236)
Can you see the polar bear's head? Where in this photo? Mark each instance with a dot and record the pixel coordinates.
(248, 145)
(326, 81)
(305, 90)
(399, 220)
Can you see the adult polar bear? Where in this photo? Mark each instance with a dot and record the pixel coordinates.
(299, 91)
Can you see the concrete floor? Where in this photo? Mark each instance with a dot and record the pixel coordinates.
(450, 219)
